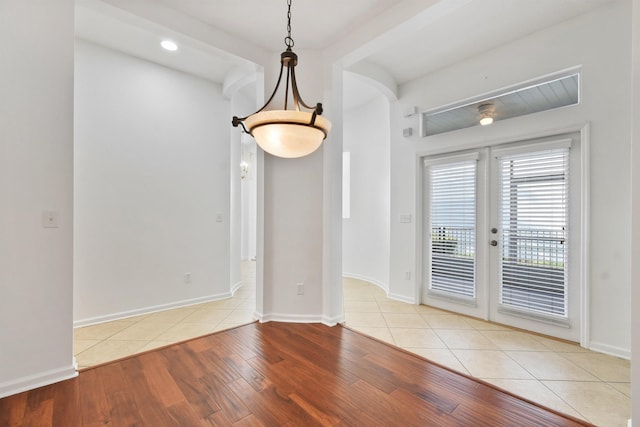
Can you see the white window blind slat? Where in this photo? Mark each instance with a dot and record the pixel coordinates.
(452, 189)
(533, 197)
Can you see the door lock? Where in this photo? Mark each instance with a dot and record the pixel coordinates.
(494, 230)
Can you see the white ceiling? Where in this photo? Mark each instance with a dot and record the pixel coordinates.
(314, 24)
(406, 38)
(477, 27)
(357, 91)
(118, 29)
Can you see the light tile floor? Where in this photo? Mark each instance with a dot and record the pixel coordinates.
(559, 375)
(109, 341)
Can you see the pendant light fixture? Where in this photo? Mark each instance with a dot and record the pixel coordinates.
(287, 133)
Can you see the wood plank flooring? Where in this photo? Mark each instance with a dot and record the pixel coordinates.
(273, 374)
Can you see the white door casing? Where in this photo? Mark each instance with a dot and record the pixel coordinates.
(440, 239)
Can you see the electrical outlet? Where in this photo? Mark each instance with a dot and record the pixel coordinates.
(50, 219)
(407, 275)
(187, 278)
(300, 288)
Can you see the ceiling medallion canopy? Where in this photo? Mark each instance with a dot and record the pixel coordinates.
(287, 133)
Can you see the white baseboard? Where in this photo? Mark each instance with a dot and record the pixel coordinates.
(611, 350)
(40, 379)
(298, 318)
(289, 318)
(383, 286)
(235, 287)
(150, 309)
(401, 298)
(332, 321)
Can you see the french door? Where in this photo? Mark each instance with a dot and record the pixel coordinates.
(501, 234)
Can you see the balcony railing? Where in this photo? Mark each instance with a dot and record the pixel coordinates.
(533, 274)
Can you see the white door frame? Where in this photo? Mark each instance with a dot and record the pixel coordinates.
(584, 191)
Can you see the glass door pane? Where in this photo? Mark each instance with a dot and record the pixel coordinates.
(533, 200)
(452, 224)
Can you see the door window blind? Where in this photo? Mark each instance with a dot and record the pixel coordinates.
(452, 210)
(533, 191)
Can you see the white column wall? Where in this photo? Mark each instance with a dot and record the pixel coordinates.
(332, 300)
(152, 161)
(292, 221)
(36, 174)
(366, 234)
(600, 42)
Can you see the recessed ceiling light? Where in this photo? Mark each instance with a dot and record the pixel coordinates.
(169, 45)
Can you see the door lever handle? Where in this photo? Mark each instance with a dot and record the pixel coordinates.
(494, 243)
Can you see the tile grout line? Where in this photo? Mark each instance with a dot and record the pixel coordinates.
(545, 349)
(539, 380)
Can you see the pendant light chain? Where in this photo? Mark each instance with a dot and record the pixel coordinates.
(288, 41)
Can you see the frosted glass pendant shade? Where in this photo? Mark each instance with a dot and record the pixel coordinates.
(287, 133)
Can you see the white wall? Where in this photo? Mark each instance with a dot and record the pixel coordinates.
(152, 166)
(635, 219)
(248, 195)
(36, 173)
(365, 250)
(292, 216)
(601, 43)
(243, 102)
(235, 208)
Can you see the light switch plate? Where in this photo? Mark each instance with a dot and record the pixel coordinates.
(405, 218)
